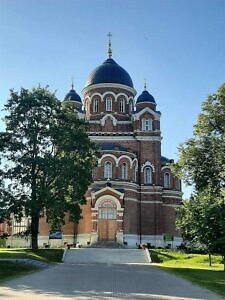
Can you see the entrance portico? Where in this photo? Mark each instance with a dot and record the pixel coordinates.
(107, 215)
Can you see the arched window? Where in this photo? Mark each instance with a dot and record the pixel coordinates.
(178, 186)
(148, 175)
(96, 105)
(146, 124)
(122, 105)
(108, 170)
(107, 210)
(130, 107)
(135, 173)
(108, 104)
(166, 180)
(124, 171)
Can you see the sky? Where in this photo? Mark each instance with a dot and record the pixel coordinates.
(178, 46)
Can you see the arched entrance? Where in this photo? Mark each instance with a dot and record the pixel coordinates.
(107, 220)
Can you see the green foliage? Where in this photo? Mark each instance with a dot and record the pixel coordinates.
(45, 255)
(48, 159)
(193, 267)
(9, 270)
(202, 163)
(201, 159)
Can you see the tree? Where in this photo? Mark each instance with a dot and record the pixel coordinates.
(202, 163)
(202, 219)
(48, 158)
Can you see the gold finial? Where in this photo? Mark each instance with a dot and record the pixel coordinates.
(145, 85)
(72, 85)
(109, 49)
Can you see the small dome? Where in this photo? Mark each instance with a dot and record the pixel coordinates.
(109, 72)
(72, 96)
(145, 97)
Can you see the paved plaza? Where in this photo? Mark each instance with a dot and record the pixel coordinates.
(101, 281)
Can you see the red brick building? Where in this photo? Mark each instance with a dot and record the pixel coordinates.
(134, 195)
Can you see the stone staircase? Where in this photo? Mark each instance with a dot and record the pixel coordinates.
(108, 245)
(106, 256)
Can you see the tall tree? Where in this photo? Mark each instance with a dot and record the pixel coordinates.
(201, 159)
(202, 163)
(48, 158)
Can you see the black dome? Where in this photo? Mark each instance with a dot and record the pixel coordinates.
(109, 72)
(72, 96)
(145, 97)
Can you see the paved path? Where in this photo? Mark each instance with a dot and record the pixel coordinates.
(112, 256)
(101, 282)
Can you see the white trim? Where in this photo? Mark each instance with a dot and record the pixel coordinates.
(151, 202)
(148, 164)
(172, 205)
(148, 138)
(122, 94)
(105, 189)
(111, 133)
(124, 122)
(117, 160)
(165, 167)
(108, 197)
(144, 110)
(131, 199)
(109, 85)
(117, 183)
(108, 116)
(175, 197)
(172, 192)
(107, 155)
(108, 93)
(94, 121)
(151, 187)
(152, 193)
(94, 95)
(124, 156)
(123, 137)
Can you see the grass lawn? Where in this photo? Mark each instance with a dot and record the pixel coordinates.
(9, 270)
(45, 255)
(194, 267)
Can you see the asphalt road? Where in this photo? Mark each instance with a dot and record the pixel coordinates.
(101, 281)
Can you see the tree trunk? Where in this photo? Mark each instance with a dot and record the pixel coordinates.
(34, 232)
(210, 259)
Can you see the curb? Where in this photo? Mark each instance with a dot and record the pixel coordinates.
(148, 255)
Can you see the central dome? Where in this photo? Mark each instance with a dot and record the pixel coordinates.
(109, 72)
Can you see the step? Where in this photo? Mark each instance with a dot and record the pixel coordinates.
(108, 256)
(107, 244)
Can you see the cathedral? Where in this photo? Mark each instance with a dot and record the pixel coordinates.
(134, 195)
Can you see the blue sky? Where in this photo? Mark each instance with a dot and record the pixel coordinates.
(177, 45)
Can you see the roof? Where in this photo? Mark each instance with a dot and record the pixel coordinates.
(145, 97)
(109, 72)
(72, 96)
(165, 160)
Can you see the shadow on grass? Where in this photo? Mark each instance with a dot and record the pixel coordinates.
(45, 255)
(211, 279)
(9, 270)
(158, 254)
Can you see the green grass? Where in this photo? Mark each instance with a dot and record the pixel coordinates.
(9, 270)
(45, 255)
(193, 267)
